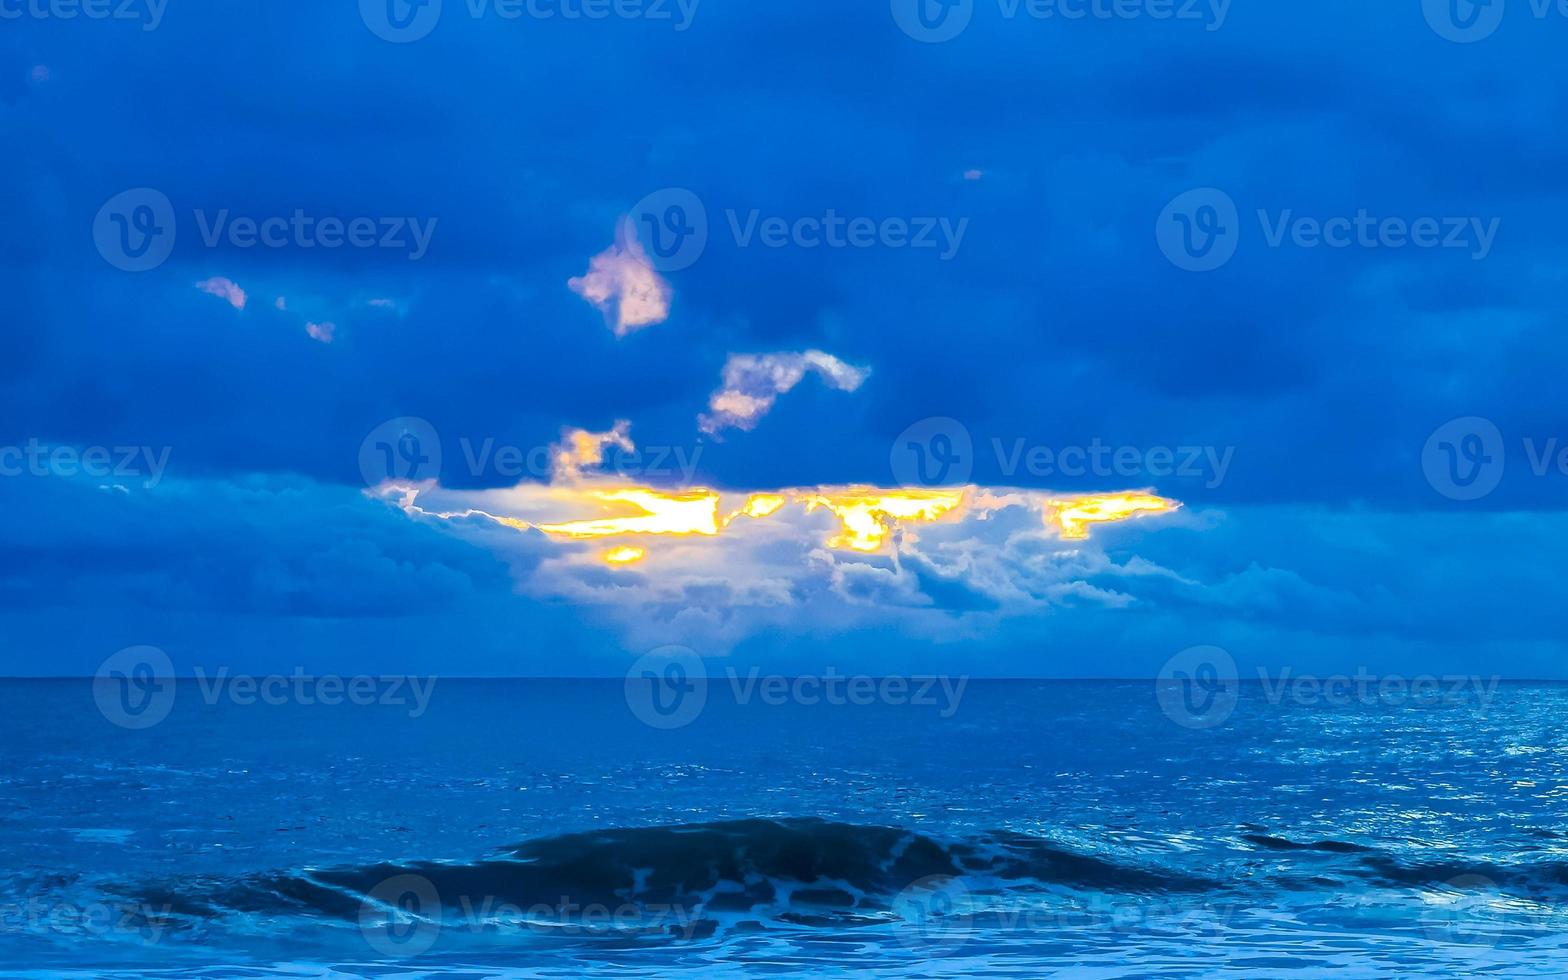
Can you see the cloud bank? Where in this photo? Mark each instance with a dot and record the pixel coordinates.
(723, 566)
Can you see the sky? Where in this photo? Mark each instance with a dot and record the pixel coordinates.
(331, 329)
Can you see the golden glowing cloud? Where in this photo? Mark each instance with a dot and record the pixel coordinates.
(866, 514)
(1073, 515)
(763, 504)
(625, 555)
(582, 504)
(643, 510)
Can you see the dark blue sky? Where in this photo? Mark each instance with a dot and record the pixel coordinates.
(1065, 316)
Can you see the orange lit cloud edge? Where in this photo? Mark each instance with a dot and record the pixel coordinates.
(867, 517)
(581, 505)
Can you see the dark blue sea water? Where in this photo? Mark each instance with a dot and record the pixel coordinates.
(540, 828)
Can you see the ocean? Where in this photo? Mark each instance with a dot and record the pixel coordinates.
(566, 828)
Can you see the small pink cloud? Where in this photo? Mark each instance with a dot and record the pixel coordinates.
(225, 289)
(623, 279)
(973, 174)
(321, 331)
(281, 303)
(382, 303)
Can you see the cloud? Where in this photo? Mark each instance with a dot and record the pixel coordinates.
(728, 565)
(580, 449)
(753, 382)
(622, 277)
(321, 331)
(226, 289)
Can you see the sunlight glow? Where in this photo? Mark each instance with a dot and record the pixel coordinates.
(644, 510)
(625, 555)
(866, 515)
(1073, 515)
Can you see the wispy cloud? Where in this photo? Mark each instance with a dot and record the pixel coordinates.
(225, 289)
(753, 382)
(622, 284)
(321, 331)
